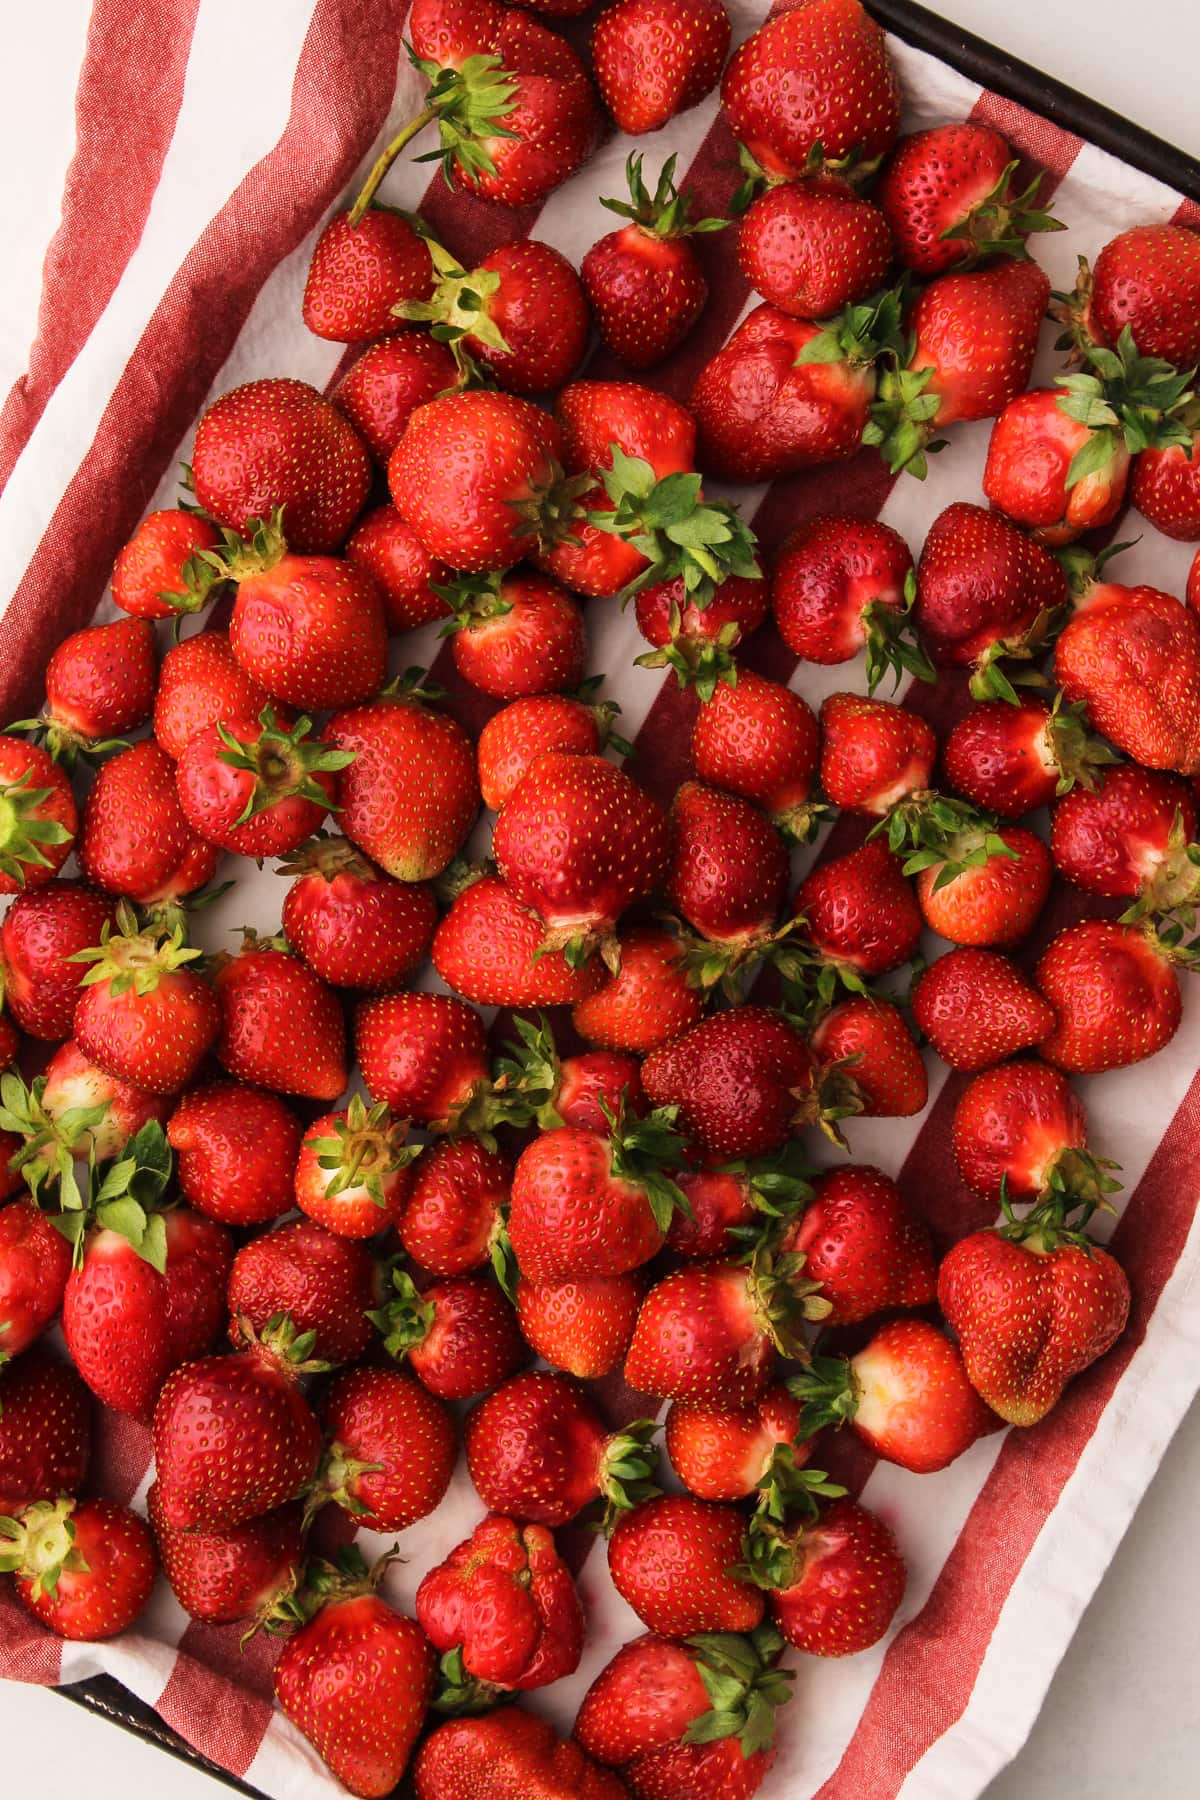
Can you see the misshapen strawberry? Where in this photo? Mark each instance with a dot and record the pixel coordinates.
(379, 393)
(873, 754)
(452, 1220)
(352, 925)
(362, 271)
(38, 816)
(391, 1448)
(84, 1568)
(514, 738)
(674, 1559)
(1128, 838)
(234, 1148)
(45, 1429)
(1020, 1132)
(950, 198)
(656, 58)
(324, 1284)
(511, 1755)
(647, 1002)
(1116, 994)
(247, 1571)
(841, 584)
(812, 247)
(354, 1170)
(161, 572)
(1132, 656)
(863, 1244)
(977, 1008)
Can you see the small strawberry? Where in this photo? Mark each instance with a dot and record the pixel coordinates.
(235, 1148)
(812, 247)
(836, 1578)
(45, 1428)
(35, 1261)
(494, 951)
(1116, 994)
(382, 389)
(1129, 838)
(759, 739)
(519, 733)
(247, 1571)
(977, 1008)
(352, 925)
(647, 1002)
(510, 1755)
(362, 271)
(142, 1014)
(40, 935)
(135, 839)
(859, 914)
(459, 1335)
(870, 1051)
(742, 1081)
(391, 1452)
(656, 58)
(696, 641)
(38, 817)
(1132, 656)
(580, 1324)
(281, 1027)
(201, 683)
(672, 1559)
(862, 1242)
(841, 584)
(1020, 1133)
(354, 1170)
(727, 877)
(257, 787)
(1052, 472)
(1166, 489)
(951, 201)
(324, 1284)
(453, 1216)
(99, 683)
(990, 889)
(84, 1568)
(1148, 279)
(586, 1091)
(161, 572)
(515, 634)
(1013, 759)
(726, 1453)
(724, 1200)
(873, 754)
(425, 1055)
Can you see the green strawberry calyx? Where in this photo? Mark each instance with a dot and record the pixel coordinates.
(406, 1318)
(1127, 401)
(459, 1695)
(473, 599)
(133, 959)
(40, 1546)
(366, 1145)
(698, 661)
(932, 831)
(892, 645)
(641, 1150)
(999, 224)
(128, 1194)
(828, 1392)
(460, 308)
(24, 828)
(50, 1142)
(282, 761)
(774, 1541)
(683, 537)
(665, 212)
(627, 1467)
(745, 1687)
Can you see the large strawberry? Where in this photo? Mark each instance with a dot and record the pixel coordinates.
(495, 952)
(951, 200)
(1014, 757)
(142, 1013)
(280, 1027)
(812, 247)
(352, 925)
(977, 1008)
(674, 1560)
(580, 1324)
(362, 271)
(425, 1055)
(35, 1261)
(45, 1430)
(1115, 991)
(391, 1448)
(1146, 279)
(161, 572)
(510, 1755)
(379, 393)
(38, 816)
(656, 58)
(247, 1571)
(1128, 837)
(235, 1147)
(864, 1245)
(135, 839)
(201, 683)
(841, 584)
(1020, 1133)
(40, 935)
(84, 1568)
(325, 1285)
(1132, 655)
(742, 1081)
(256, 787)
(647, 1002)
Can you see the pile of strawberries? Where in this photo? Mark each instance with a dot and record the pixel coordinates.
(622, 1190)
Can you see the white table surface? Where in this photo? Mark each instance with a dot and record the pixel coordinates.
(1121, 1715)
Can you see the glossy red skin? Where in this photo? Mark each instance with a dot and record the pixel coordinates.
(35, 1261)
(978, 332)
(235, 1148)
(859, 909)
(100, 681)
(761, 415)
(281, 443)
(916, 1405)
(224, 1576)
(826, 573)
(1028, 463)
(387, 1417)
(71, 1080)
(1010, 1124)
(1117, 997)
(735, 1077)
(540, 311)
(199, 1261)
(535, 1448)
(1149, 279)
(281, 1026)
(425, 1054)
(1166, 490)
(312, 631)
(980, 579)
(700, 1337)
(155, 1040)
(200, 683)
(581, 1324)
(656, 58)
(729, 868)
(570, 1215)
(740, 601)
(454, 1206)
(135, 838)
(491, 949)
(977, 1008)
(646, 291)
(670, 1559)
(720, 1201)
(499, 1757)
(45, 1429)
(473, 1343)
(594, 1080)
(360, 273)
(873, 753)
(647, 1003)
(846, 1584)
(323, 1283)
(864, 1243)
(723, 1453)
(39, 935)
(104, 1599)
(997, 903)
(538, 646)
(758, 739)
(1000, 756)
(933, 181)
(214, 796)
(888, 1076)
(388, 548)
(812, 247)
(520, 732)
(1133, 656)
(28, 765)
(1113, 839)
(151, 563)
(383, 387)
(507, 1601)
(359, 931)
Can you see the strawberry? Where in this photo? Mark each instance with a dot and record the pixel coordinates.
(580, 1324)
(391, 1450)
(585, 1091)
(356, 1680)
(1128, 838)
(407, 577)
(39, 937)
(688, 1721)
(859, 914)
(836, 1579)
(235, 1148)
(410, 796)
(99, 683)
(281, 1027)
(352, 925)
(672, 1559)
(519, 733)
(646, 284)
(353, 1173)
(1148, 279)
(862, 1242)
(454, 1211)
(868, 1046)
(696, 641)
(1132, 656)
(949, 196)
(234, 1437)
(504, 1603)
(759, 739)
(873, 753)
(906, 1394)
(324, 1284)
(515, 634)
(1032, 1305)
(741, 1080)
(812, 247)
(537, 1449)
(657, 58)
(142, 1014)
(984, 590)
(1166, 489)
(647, 1002)
(459, 1334)
(996, 888)
(1116, 994)
(362, 271)
(40, 1150)
(256, 787)
(35, 1261)
(425, 1055)
(279, 444)
(45, 1429)
(1051, 472)
(511, 1755)
(494, 951)
(162, 572)
(201, 683)
(841, 583)
(135, 839)
(812, 87)
(1020, 1133)
(724, 1200)
(727, 876)
(725, 1453)
(580, 842)
(247, 1571)
(84, 1568)
(38, 817)
(382, 389)
(1013, 759)
(74, 1085)
(977, 1008)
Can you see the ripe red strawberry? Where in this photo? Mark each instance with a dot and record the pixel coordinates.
(741, 1080)
(382, 389)
(733, 1453)
(354, 1170)
(1020, 1132)
(696, 641)
(647, 1002)
(388, 548)
(521, 316)
(324, 1284)
(811, 86)
(977, 1008)
(45, 1428)
(392, 1447)
(352, 925)
(243, 1572)
(1051, 473)
(357, 1680)
(255, 786)
(1032, 1305)
(1148, 279)
(1166, 489)
(73, 1083)
(656, 58)
(410, 796)
(516, 634)
(494, 951)
(840, 584)
(870, 1050)
(519, 733)
(983, 590)
(906, 1394)
(280, 444)
(161, 572)
(864, 1244)
(361, 272)
(425, 1055)
(135, 839)
(580, 1324)
(235, 1148)
(506, 1603)
(873, 753)
(727, 876)
(580, 842)
(1128, 837)
(84, 1568)
(459, 1334)
(511, 1755)
(454, 1213)
(38, 816)
(234, 1438)
(812, 247)
(672, 1559)
(836, 1579)
(859, 913)
(1116, 994)
(201, 683)
(538, 1449)
(586, 1090)
(995, 901)
(281, 1026)
(142, 1014)
(99, 683)
(1132, 655)
(726, 1199)
(39, 937)
(35, 1261)
(1013, 759)
(950, 198)
(760, 739)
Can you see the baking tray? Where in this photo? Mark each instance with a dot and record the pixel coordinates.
(992, 68)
